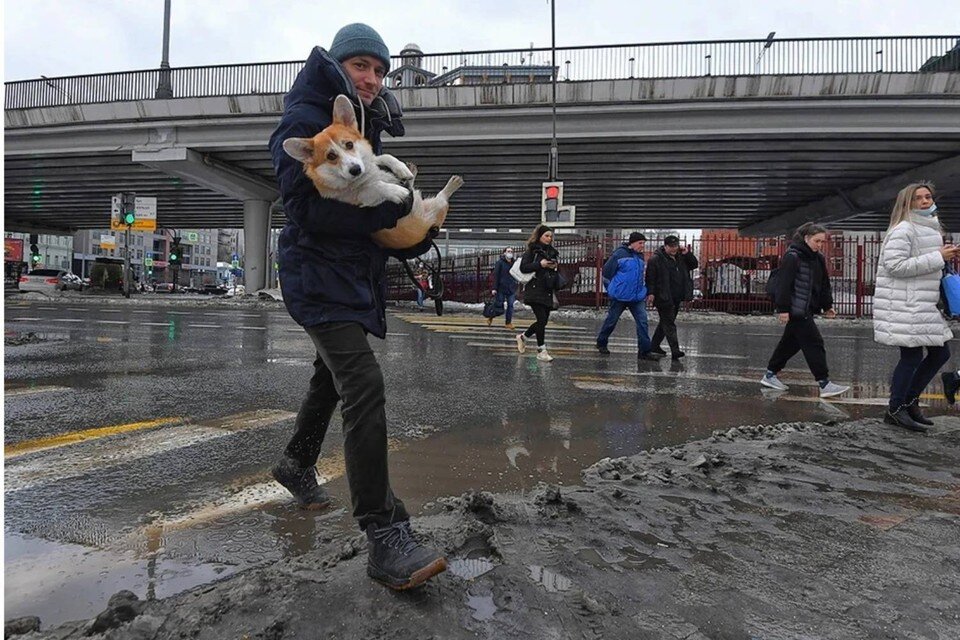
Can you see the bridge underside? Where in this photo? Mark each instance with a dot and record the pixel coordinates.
(762, 166)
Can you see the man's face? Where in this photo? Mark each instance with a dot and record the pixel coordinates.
(637, 246)
(367, 74)
(671, 250)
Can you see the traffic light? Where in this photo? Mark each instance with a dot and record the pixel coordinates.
(34, 254)
(552, 200)
(129, 209)
(176, 253)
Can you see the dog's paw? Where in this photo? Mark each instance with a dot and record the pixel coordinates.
(454, 183)
(398, 194)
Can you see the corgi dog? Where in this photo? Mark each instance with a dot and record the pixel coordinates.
(341, 164)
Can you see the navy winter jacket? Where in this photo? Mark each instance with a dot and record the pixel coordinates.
(623, 275)
(330, 269)
(503, 282)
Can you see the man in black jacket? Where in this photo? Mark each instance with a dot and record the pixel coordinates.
(668, 284)
(333, 279)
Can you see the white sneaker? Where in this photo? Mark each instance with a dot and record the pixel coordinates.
(521, 343)
(543, 356)
(773, 382)
(833, 389)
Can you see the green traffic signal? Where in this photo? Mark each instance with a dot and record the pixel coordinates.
(129, 217)
(35, 257)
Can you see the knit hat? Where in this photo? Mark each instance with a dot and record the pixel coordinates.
(671, 241)
(358, 39)
(635, 236)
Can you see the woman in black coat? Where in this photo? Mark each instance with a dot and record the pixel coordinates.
(542, 259)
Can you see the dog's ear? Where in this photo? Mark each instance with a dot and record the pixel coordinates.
(299, 148)
(343, 112)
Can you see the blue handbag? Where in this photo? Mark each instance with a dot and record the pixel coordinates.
(950, 291)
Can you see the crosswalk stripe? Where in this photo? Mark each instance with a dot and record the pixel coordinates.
(67, 320)
(204, 326)
(27, 391)
(257, 328)
(80, 460)
(64, 439)
(111, 322)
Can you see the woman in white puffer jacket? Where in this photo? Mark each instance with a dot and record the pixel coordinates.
(905, 312)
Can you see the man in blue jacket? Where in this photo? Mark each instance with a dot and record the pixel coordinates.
(333, 281)
(504, 286)
(624, 279)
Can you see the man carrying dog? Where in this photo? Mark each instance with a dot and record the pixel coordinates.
(333, 279)
(668, 284)
(623, 277)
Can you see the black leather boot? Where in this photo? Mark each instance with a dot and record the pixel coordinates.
(913, 408)
(951, 384)
(396, 558)
(901, 418)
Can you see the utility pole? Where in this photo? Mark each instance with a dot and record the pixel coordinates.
(554, 153)
(164, 88)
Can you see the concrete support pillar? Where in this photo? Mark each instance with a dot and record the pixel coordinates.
(256, 232)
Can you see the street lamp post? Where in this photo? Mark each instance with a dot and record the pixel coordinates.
(766, 45)
(164, 88)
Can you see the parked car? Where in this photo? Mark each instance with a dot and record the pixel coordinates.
(163, 287)
(49, 281)
(213, 289)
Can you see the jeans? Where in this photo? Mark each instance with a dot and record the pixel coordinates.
(509, 299)
(667, 327)
(420, 297)
(914, 372)
(639, 312)
(539, 328)
(346, 369)
(801, 334)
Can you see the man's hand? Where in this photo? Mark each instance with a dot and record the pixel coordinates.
(784, 317)
(494, 292)
(650, 298)
(830, 314)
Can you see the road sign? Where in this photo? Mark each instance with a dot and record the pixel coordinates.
(235, 263)
(107, 241)
(192, 236)
(146, 214)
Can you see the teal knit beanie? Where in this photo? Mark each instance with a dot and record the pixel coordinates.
(358, 39)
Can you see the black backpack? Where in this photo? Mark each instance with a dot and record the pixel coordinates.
(773, 282)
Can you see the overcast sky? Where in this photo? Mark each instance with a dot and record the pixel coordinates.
(71, 37)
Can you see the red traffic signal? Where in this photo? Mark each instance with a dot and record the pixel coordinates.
(552, 192)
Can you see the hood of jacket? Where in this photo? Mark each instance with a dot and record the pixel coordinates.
(322, 79)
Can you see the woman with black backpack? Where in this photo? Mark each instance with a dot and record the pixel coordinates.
(542, 259)
(802, 290)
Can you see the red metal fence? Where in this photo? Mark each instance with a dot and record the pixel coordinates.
(732, 276)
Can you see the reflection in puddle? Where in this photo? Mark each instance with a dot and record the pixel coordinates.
(470, 568)
(552, 582)
(483, 607)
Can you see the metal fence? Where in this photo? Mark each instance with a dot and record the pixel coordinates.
(607, 62)
(732, 276)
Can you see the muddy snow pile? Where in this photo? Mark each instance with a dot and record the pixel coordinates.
(770, 531)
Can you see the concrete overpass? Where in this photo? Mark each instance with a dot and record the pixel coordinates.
(757, 152)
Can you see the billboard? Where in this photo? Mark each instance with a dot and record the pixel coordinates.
(12, 250)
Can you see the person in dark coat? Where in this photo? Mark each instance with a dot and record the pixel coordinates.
(669, 284)
(541, 259)
(623, 276)
(504, 287)
(803, 290)
(333, 281)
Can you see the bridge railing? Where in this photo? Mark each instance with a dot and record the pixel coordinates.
(893, 54)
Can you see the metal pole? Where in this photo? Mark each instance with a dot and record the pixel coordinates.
(126, 263)
(164, 89)
(553, 46)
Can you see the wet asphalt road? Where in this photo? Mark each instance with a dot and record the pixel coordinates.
(201, 401)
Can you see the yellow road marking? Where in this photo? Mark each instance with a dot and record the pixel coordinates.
(64, 439)
(25, 391)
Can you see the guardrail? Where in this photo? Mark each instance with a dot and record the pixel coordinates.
(892, 54)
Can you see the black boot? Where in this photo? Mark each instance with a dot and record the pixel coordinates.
(396, 559)
(659, 350)
(951, 384)
(901, 418)
(301, 482)
(913, 408)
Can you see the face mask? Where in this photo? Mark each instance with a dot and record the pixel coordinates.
(925, 212)
(508, 255)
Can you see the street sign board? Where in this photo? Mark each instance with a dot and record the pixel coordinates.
(12, 250)
(107, 241)
(192, 236)
(146, 214)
